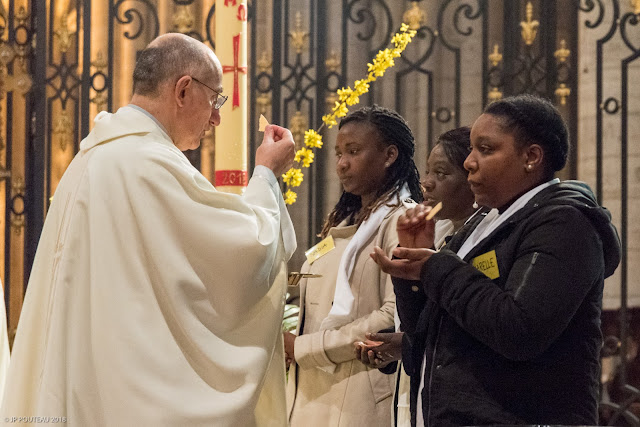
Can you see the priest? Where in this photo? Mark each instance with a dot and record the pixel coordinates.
(155, 299)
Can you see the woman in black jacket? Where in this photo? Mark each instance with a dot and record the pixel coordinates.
(503, 325)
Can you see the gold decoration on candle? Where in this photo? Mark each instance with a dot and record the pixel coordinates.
(264, 62)
(17, 188)
(495, 57)
(494, 94)
(562, 53)
(64, 34)
(63, 129)
(529, 28)
(298, 124)
(414, 16)
(333, 62)
(636, 6)
(183, 20)
(562, 93)
(298, 35)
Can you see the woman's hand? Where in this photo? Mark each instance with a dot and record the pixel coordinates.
(380, 349)
(414, 230)
(408, 264)
(289, 347)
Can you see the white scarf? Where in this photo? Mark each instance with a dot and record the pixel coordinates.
(494, 219)
(342, 311)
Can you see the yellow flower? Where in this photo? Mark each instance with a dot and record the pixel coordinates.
(344, 94)
(340, 109)
(290, 197)
(329, 120)
(305, 156)
(361, 87)
(293, 177)
(353, 99)
(346, 97)
(401, 40)
(312, 139)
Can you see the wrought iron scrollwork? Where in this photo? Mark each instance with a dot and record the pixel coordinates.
(132, 15)
(630, 19)
(468, 11)
(364, 15)
(589, 6)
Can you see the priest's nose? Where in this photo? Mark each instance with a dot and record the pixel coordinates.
(214, 119)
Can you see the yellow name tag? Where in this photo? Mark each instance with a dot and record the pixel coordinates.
(320, 249)
(488, 264)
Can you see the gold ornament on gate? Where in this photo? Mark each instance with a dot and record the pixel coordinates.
(414, 16)
(183, 20)
(495, 57)
(494, 94)
(562, 53)
(563, 92)
(298, 36)
(529, 28)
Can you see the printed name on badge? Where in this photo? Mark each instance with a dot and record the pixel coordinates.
(320, 249)
(488, 264)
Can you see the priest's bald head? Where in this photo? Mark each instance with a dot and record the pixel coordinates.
(178, 79)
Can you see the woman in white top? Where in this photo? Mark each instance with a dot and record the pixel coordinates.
(327, 385)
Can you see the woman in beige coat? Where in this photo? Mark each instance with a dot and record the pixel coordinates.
(327, 385)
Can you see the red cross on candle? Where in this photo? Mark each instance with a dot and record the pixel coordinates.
(235, 69)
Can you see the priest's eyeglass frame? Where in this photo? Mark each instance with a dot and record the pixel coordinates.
(220, 100)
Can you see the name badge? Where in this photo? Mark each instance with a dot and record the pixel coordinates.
(487, 264)
(320, 249)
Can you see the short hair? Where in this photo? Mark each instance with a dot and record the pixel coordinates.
(534, 120)
(392, 129)
(167, 60)
(456, 145)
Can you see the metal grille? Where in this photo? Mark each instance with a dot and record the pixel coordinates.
(63, 61)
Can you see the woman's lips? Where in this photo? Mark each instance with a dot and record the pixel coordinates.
(473, 184)
(430, 201)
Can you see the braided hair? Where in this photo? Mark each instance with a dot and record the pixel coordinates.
(393, 130)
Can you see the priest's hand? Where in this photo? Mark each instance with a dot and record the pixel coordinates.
(277, 149)
(289, 345)
(406, 264)
(414, 230)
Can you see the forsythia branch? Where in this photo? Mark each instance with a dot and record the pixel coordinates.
(346, 97)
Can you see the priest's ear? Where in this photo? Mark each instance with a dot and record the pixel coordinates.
(181, 89)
